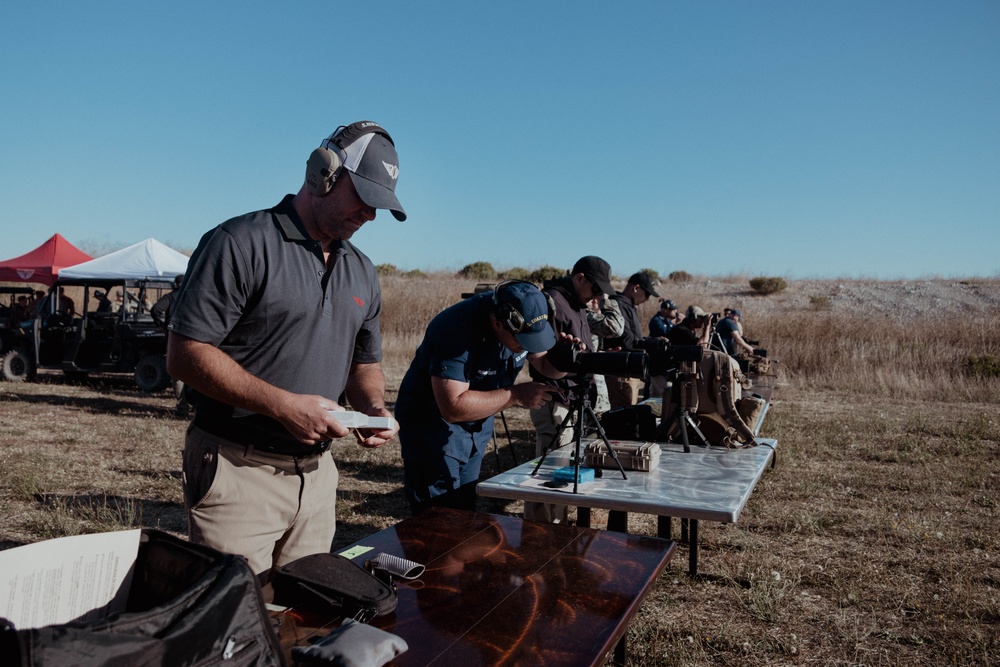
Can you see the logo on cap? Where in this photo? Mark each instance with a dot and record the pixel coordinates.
(530, 323)
(392, 169)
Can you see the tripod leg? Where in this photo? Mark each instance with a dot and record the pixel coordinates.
(510, 443)
(682, 422)
(604, 437)
(704, 440)
(496, 448)
(552, 444)
(576, 453)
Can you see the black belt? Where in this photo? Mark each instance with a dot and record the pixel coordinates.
(278, 445)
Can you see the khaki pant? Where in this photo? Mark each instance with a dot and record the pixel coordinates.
(269, 508)
(623, 392)
(658, 385)
(547, 420)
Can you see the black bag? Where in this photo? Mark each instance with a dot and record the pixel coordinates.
(329, 583)
(188, 605)
(635, 422)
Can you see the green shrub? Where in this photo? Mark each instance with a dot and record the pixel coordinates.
(386, 269)
(820, 302)
(516, 273)
(766, 286)
(541, 274)
(478, 271)
(414, 273)
(653, 274)
(983, 365)
(680, 277)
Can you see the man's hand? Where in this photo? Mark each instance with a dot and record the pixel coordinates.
(371, 438)
(307, 418)
(564, 337)
(532, 394)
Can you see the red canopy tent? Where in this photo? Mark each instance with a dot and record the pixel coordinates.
(42, 264)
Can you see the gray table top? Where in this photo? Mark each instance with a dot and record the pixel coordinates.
(709, 483)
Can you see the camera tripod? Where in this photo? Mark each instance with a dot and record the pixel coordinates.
(583, 412)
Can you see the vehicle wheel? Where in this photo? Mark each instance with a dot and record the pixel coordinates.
(18, 365)
(151, 373)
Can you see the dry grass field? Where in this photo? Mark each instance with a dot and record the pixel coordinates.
(873, 541)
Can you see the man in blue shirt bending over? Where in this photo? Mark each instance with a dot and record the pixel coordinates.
(463, 374)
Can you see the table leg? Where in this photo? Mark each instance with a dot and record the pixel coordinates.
(583, 517)
(621, 651)
(664, 527)
(693, 549)
(618, 521)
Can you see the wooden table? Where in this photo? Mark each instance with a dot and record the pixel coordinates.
(502, 591)
(710, 483)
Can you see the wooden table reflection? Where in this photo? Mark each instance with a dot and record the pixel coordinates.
(503, 591)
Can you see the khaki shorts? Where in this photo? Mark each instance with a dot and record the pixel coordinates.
(269, 508)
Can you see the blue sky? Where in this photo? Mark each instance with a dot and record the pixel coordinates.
(798, 139)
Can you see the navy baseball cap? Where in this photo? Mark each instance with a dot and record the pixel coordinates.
(373, 164)
(667, 304)
(535, 334)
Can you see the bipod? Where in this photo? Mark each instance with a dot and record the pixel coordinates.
(684, 422)
(682, 415)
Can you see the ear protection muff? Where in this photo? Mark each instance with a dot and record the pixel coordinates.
(509, 316)
(325, 163)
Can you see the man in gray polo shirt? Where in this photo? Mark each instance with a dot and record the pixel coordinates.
(278, 317)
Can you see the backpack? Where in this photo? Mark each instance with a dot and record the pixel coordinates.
(188, 605)
(710, 391)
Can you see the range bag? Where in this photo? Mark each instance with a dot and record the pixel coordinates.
(644, 456)
(755, 364)
(188, 605)
(710, 391)
(329, 583)
(633, 422)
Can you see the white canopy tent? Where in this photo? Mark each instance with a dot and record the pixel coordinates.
(146, 259)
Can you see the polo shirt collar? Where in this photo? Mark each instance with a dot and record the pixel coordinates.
(292, 227)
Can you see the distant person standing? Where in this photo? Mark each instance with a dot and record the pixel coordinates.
(163, 308)
(625, 391)
(161, 312)
(606, 321)
(278, 316)
(731, 334)
(589, 279)
(694, 329)
(103, 302)
(665, 319)
(21, 311)
(65, 305)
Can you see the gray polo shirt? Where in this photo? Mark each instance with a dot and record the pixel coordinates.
(258, 289)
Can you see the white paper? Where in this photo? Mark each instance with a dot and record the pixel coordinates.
(84, 577)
